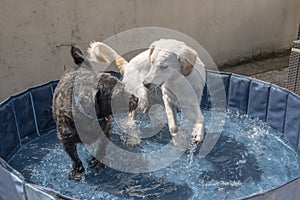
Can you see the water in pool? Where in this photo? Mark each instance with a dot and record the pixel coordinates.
(249, 157)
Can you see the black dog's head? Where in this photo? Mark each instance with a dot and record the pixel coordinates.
(112, 96)
(133, 103)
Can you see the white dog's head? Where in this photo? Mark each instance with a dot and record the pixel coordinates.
(168, 59)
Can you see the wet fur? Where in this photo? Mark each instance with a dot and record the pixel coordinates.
(143, 71)
(63, 102)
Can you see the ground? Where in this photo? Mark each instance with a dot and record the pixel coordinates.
(273, 70)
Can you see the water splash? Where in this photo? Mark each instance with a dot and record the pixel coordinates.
(242, 163)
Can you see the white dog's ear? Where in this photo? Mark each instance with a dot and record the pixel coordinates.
(151, 49)
(187, 60)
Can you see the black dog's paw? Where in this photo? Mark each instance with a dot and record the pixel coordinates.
(77, 174)
(94, 163)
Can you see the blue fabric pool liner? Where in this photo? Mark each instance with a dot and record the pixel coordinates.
(27, 116)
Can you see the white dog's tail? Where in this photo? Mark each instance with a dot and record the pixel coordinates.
(101, 52)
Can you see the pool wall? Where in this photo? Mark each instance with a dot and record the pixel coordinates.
(27, 116)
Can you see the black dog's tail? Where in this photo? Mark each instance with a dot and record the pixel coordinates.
(78, 57)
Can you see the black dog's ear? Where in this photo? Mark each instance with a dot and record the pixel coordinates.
(77, 55)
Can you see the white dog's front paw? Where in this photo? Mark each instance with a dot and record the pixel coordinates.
(198, 133)
(179, 141)
(133, 140)
(132, 115)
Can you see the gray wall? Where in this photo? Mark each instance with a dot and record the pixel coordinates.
(32, 30)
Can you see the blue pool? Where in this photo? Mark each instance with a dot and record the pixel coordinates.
(255, 157)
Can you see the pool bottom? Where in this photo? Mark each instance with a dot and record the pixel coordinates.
(242, 163)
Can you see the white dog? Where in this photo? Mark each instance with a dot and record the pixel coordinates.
(168, 71)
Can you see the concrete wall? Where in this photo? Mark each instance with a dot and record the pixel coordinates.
(33, 30)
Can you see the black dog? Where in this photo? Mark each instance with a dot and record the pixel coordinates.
(108, 87)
